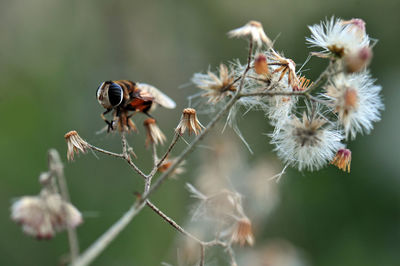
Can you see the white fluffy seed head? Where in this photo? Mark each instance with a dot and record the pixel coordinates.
(356, 101)
(308, 144)
(338, 37)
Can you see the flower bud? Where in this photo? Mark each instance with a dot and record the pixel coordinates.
(356, 62)
(261, 65)
(342, 159)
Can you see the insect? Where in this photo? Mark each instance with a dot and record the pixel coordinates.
(124, 96)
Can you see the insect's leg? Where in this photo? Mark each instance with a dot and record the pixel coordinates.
(149, 115)
(110, 126)
(127, 122)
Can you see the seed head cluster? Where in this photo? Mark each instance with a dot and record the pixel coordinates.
(342, 103)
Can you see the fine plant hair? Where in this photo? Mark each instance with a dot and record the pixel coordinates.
(312, 123)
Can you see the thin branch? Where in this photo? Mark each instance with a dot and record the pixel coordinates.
(273, 93)
(124, 155)
(154, 151)
(127, 157)
(321, 77)
(231, 254)
(230, 84)
(103, 241)
(171, 146)
(150, 176)
(202, 243)
(118, 155)
(57, 169)
(172, 222)
(158, 164)
(202, 251)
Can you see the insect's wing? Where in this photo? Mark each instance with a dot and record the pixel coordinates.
(159, 97)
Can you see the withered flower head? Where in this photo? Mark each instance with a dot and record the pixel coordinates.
(243, 233)
(285, 65)
(41, 216)
(253, 29)
(167, 164)
(189, 122)
(153, 132)
(342, 160)
(261, 65)
(216, 87)
(358, 60)
(75, 144)
(30, 213)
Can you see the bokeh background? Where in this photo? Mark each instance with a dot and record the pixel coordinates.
(54, 54)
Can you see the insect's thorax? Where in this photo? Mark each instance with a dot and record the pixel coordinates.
(133, 101)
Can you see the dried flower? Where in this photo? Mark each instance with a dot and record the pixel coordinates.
(167, 164)
(62, 214)
(356, 100)
(30, 212)
(255, 29)
(243, 233)
(153, 132)
(342, 159)
(41, 216)
(261, 65)
(338, 38)
(189, 122)
(75, 144)
(285, 65)
(216, 87)
(307, 143)
(358, 60)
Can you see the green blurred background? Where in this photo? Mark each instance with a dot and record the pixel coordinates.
(54, 54)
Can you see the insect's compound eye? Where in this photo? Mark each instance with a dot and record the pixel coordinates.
(115, 94)
(98, 91)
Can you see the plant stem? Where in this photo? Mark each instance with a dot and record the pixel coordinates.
(172, 222)
(118, 155)
(103, 241)
(57, 169)
(202, 251)
(127, 157)
(174, 141)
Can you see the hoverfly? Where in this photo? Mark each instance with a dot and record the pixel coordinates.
(124, 96)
